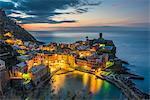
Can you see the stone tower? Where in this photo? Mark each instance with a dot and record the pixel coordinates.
(100, 35)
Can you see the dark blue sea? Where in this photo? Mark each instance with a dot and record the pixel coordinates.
(132, 46)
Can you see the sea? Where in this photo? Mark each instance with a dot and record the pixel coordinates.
(132, 46)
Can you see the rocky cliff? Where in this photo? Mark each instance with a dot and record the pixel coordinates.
(8, 25)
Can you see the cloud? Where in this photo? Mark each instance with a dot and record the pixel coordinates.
(30, 20)
(82, 10)
(6, 5)
(42, 11)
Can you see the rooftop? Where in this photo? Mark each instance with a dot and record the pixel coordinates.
(37, 68)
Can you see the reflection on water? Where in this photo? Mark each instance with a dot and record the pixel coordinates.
(58, 82)
(99, 84)
(95, 84)
(77, 81)
(85, 79)
(88, 81)
(106, 86)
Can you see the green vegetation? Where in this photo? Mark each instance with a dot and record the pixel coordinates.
(101, 45)
(109, 64)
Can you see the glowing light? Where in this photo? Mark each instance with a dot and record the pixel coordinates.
(81, 55)
(26, 78)
(96, 84)
(101, 45)
(35, 64)
(19, 74)
(59, 83)
(85, 66)
(9, 41)
(88, 54)
(99, 84)
(19, 42)
(93, 84)
(22, 52)
(8, 34)
(85, 79)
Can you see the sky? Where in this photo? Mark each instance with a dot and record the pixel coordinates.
(58, 14)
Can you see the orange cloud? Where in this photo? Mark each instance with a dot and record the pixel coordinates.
(96, 22)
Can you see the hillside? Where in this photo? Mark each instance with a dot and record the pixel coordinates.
(8, 25)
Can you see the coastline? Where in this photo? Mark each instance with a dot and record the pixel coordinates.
(135, 94)
(111, 79)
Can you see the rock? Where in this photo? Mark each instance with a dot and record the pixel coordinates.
(125, 62)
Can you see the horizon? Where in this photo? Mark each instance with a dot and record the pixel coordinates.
(68, 15)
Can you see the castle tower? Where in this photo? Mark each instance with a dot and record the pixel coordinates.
(100, 35)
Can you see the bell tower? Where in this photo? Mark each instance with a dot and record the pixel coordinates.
(100, 35)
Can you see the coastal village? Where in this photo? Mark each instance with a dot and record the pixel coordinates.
(27, 65)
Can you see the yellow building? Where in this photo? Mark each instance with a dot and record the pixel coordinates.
(21, 52)
(10, 41)
(18, 42)
(81, 62)
(71, 60)
(52, 60)
(13, 41)
(48, 48)
(8, 34)
(84, 53)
